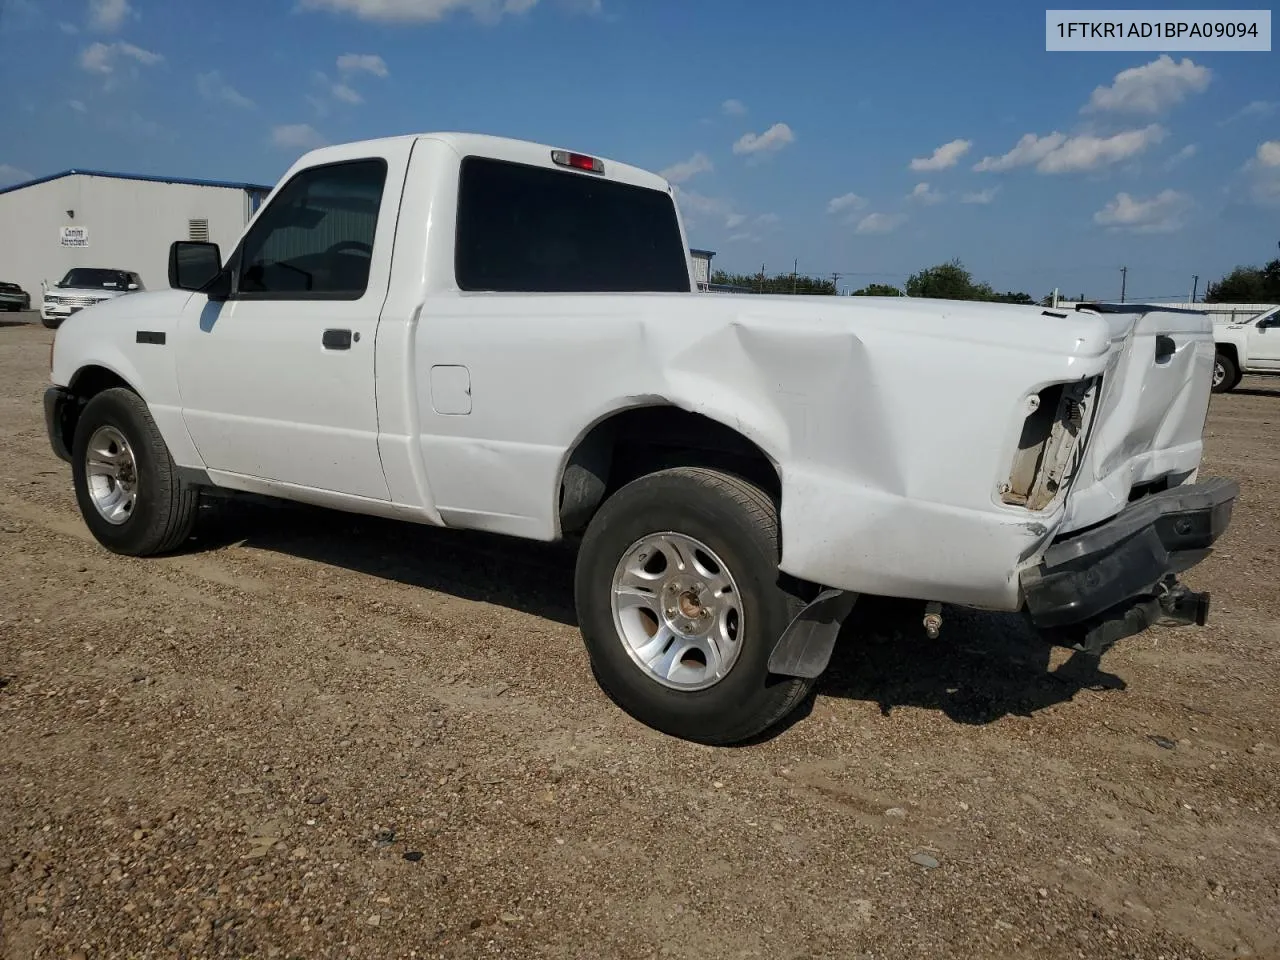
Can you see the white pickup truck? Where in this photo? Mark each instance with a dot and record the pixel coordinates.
(1249, 346)
(491, 334)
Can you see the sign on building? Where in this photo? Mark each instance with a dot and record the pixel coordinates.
(75, 236)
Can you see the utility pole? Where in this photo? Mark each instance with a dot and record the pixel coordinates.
(1195, 283)
(835, 282)
(795, 270)
(760, 285)
(1124, 281)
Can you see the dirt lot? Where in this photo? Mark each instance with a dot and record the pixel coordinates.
(314, 735)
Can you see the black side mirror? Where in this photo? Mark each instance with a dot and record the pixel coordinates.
(193, 266)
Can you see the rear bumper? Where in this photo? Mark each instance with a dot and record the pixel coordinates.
(57, 402)
(1132, 560)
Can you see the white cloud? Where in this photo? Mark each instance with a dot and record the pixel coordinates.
(363, 63)
(733, 108)
(1269, 153)
(431, 11)
(767, 219)
(1183, 155)
(108, 15)
(216, 90)
(922, 193)
(68, 28)
(103, 58)
(346, 94)
(1152, 87)
(77, 105)
(947, 155)
(849, 201)
(1090, 153)
(296, 136)
(688, 169)
(10, 174)
(1058, 153)
(880, 222)
(743, 238)
(771, 141)
(980, 196)
(1031, 148)
(1254, 108)
(1159, 214)
(696, 206)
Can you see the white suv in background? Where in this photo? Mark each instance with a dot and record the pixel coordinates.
(83, 287)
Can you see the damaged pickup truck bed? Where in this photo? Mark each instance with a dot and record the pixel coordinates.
(490, 334)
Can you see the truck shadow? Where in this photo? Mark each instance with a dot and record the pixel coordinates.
(984, 666)
(531, 577)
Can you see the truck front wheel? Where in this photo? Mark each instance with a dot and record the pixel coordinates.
(679, 604)
(127, 485)
(1226, 375)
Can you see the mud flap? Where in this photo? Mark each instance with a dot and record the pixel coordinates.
(804, 650)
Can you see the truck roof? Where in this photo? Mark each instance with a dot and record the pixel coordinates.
(486, 145)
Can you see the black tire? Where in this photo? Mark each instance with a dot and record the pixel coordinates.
(739, 522)
(51, 322)
(165, 510)
(1230, 373)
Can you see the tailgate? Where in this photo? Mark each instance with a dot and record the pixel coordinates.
(1147, 431)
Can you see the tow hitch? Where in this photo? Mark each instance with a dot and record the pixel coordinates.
(1172, 605)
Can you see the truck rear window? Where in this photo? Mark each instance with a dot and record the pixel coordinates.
(528, 229)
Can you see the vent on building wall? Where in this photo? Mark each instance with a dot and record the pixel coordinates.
(198, 230)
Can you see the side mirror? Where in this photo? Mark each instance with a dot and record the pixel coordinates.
(192, 265)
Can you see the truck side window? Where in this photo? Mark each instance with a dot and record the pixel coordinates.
(315, 240)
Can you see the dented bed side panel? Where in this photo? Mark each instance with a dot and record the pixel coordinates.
(893, 425)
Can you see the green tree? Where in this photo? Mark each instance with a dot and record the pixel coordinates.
(1247, 285)
(947, 281)
(877, 290)
(779, 283)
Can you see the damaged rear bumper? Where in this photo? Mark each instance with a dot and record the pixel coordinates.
(1120, 577)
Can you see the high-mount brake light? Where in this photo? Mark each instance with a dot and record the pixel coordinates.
(578, 161)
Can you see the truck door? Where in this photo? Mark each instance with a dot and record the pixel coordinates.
(277, 381)
(1264, 342)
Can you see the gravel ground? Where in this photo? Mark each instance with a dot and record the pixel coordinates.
(314, 735)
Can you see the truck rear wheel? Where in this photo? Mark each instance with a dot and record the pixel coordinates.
(127, 485)
(1226, 375)
(679, 604)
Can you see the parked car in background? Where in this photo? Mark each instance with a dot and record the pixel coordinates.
(83, 287)
(13, 297)
(1252, 346)
(490, 334)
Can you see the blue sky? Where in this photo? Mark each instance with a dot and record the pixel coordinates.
(868, 139)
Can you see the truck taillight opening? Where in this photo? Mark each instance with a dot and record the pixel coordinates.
(1050, 447)
(577, 161)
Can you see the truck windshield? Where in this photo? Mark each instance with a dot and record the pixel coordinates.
(530, 229)
(95, 278)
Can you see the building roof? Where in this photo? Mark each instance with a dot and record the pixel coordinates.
(186, 181)
(702, 253)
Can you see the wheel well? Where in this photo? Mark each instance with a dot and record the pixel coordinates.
(639, 441)
(86, 384)
(1229, 351)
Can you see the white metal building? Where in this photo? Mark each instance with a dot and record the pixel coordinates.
(89, 218)
(702, 266)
